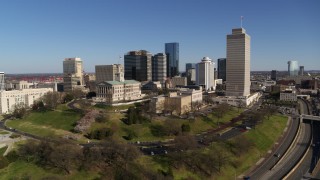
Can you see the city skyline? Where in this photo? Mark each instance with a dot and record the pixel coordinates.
(39, 35)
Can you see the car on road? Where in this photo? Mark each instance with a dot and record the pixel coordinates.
(276, 155)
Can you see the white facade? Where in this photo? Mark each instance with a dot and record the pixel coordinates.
(238, 63)
(24, 96)
(117, 91)
(235, 100)
(205, 74)
(288, 95)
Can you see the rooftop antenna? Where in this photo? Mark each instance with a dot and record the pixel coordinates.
(119, 59)
(241, 19)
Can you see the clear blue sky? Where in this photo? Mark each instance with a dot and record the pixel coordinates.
(36, 35)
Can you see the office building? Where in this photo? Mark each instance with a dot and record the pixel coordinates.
(288, 95)
(172, 52)
(205, 74)
(72, 73)
(190, 66)
(293, 68)
(274, 75)
(191, 73)
(8, 99)
(222, 68)
(137, 66)
(301, 72)
(238, 63)
(2, 82)
(109, 72)
(191, 76)
(159, 67)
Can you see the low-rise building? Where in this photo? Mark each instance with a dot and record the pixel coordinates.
(18, 85)
(118, 91)
(151, 85)
(288, 95)
(27, 97)
(238, 100)
(177, 104)
(196, 95)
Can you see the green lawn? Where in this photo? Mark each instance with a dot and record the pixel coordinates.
(3, 150)
(200, 124)
(24, 170)
(49, 123)
(4, 132)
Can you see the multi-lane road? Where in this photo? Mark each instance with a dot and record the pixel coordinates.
(289, 153)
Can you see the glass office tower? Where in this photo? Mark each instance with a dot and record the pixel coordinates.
(172, 52)
(293, 68)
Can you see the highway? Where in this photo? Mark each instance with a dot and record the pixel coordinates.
(269, 169)
(312, 156)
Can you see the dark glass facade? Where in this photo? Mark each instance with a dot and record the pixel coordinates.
(274, 75)
(137, 66)
(222, 65)
(172, 52)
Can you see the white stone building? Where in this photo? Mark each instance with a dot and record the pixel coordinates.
(118, 91)
(205, 74)
(27, 97)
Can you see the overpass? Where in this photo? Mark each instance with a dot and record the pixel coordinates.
(309, 117)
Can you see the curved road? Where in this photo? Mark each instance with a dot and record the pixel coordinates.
(308, 163)
(270, 169)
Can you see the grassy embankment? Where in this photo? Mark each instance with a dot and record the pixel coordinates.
(47, 124)
(263, 138)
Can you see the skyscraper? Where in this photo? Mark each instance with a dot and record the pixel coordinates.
(137, 65)
(293, 68)
(191, 73)
(172, 52)
(2, 83)
(301, 72)
(113, 72)
(274, 74)
(238, 63)
(72, 73)
(205, 74)
(222, 68)
(159, 67)
(190, 66)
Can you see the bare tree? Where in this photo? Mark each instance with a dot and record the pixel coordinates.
(220, 111)
(170, 106)
(51, 99)
(185, 142)
(240, 104)
(269, 111)
(19, 110)
(66, 157)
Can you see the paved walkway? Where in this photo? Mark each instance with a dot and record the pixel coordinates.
(5, 140)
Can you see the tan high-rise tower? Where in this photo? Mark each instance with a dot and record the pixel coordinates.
(238, 63)
(72, 73)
